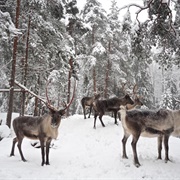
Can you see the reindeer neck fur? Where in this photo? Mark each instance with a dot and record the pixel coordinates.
(123, 116)
(123, 112)
(50, 129)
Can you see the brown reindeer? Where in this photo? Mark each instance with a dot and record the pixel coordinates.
(137, 103)
(109, 105)
(88, 102)
(44, 128)
(112, 105)
(147, 123)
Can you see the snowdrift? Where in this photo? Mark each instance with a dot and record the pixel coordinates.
(81, 152)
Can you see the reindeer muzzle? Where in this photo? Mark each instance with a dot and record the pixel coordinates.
(54, 125)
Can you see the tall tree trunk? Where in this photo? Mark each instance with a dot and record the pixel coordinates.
(107, 72)
(36, 99)
(94, 79)
(13, 71)
(69, 83)
(107, 79)
(26, 67)
(93, 34)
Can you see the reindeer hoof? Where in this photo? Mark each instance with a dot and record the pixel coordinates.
(124, 157)
(137, 165)
(166, 160)
(159, 158)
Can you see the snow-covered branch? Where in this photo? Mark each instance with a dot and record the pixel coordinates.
(29, 91)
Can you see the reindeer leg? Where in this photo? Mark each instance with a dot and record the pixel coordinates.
(84, 111)
(124, 140)
(166, 147)
(13, 146)
(159, 146)
(100, 118)
(42, 150)
(90, 110)
(48, 142)
(133, 144)
(115, 117)
(95, 117)
(119, 116)
(19, 147)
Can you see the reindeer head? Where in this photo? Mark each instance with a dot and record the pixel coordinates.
(56, 116)
(96, 96)
(127, 100)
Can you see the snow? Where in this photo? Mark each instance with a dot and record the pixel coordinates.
(81, 152)
(4, 131)
(98, 49)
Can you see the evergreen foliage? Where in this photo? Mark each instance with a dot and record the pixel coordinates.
(106, 52)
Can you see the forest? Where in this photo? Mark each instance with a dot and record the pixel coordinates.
(51, 44)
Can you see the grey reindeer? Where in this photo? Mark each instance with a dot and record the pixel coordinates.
(147, 123)
(44, 128)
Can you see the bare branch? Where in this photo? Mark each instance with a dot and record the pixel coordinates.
(157, 13)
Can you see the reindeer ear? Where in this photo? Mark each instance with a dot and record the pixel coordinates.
(62, 112)
(127, 96)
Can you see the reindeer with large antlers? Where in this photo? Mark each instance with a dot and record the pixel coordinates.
(44, 128)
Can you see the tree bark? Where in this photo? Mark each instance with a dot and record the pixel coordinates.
(107, 73)
(13, 71)
(107, 79)
(26, 67)
(69, 83)
(94, 79)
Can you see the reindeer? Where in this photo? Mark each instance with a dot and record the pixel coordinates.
(109, 105)
(175, 133)
(88, 101)
(137, 102)
(112, 105)
(147, 123)
(44, 128)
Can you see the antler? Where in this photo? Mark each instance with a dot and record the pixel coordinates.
(123, 87)
(135, 90)
(48, 103)
(67, 106)
(135, 93)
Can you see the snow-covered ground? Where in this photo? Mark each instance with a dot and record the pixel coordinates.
(81, 152)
